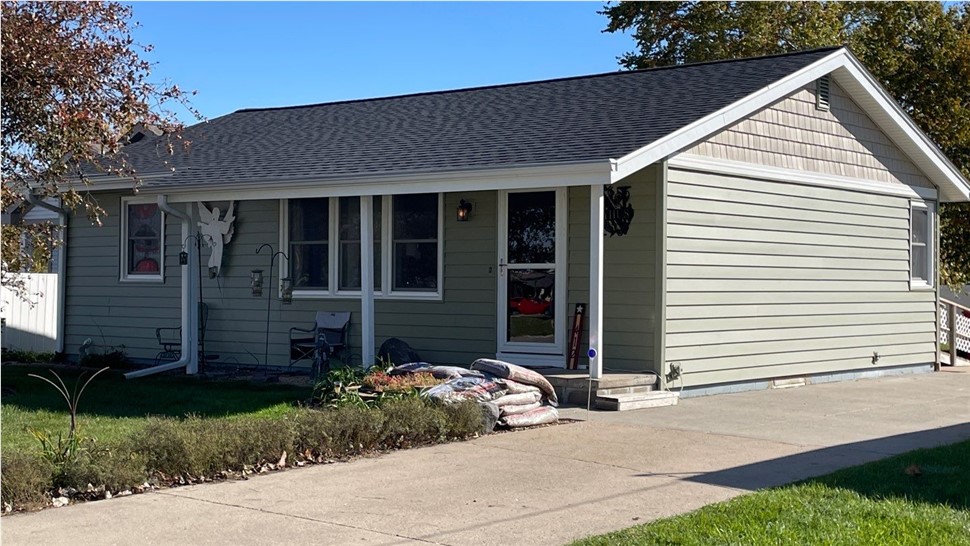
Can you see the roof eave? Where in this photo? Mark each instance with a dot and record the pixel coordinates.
(863, 88)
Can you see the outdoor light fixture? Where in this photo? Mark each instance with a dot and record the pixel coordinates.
(287, 290)
(464, 210)
(183, 257)
(257, 282)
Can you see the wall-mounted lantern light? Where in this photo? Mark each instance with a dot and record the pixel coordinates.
(464, 210)
(257, 282)
(286, 290)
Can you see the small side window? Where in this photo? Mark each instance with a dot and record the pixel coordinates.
(921, 270)
(142, 241)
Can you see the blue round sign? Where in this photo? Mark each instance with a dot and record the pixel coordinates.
(591, 353)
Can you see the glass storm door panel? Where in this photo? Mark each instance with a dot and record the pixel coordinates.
(531, 272)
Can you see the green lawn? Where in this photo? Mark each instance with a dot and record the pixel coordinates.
(112, 407)
(877, 503)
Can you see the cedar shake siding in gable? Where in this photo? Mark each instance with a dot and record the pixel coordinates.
(794, 134)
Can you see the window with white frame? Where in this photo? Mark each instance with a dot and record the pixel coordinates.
(323, 241)
(415, 243)
(143, 235)
(309, 243)
(921, 244)
(348, 277)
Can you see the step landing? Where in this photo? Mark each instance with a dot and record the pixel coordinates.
(637, 400)
(575, 387)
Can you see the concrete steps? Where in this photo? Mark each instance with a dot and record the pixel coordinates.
(636, 400)
(614, 391)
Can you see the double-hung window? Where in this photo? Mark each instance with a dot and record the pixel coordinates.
(349, 244)
(323, 241)
(921, 270)
(142, 241)
(309, 243)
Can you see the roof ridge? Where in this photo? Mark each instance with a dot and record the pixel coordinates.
(534, 82)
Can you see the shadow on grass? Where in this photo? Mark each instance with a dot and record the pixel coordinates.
(940, 475)
(111, 395)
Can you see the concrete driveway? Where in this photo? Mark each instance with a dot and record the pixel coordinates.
(545, 486)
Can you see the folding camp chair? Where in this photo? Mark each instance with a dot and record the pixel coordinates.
(328, 338)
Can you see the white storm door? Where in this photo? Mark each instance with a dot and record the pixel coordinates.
(532, 273)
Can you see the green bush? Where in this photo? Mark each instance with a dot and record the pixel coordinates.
(167, 449)
(25, 480)
(116, 470)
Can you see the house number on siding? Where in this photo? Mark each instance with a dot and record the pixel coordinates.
(618, 211)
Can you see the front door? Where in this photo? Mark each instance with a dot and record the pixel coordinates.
(532, 277)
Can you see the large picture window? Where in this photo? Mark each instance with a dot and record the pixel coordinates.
(921, 245)
(142, 253)
(323, 242)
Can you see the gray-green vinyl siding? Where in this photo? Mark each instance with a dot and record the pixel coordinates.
(629, 274)
(768, 279)
(456, 330)
(113, 313)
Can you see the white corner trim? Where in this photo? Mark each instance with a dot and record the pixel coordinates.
(725, 117)
(778, 174)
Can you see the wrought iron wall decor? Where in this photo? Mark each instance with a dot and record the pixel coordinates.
(618, 210)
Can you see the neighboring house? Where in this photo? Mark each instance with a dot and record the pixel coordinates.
(784, 225)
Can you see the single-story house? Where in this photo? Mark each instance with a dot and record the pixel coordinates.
(743, 221)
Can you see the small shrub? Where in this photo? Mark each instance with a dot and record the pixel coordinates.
(116, 359)
(116, 470)
(27, 357)
(25, 480)
(412, 421)
(464, 420)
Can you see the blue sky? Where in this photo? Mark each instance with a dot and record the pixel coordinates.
(256, 54)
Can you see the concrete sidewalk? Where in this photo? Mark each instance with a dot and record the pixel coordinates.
(544, 486)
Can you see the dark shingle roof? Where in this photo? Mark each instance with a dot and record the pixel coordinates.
(573, 119)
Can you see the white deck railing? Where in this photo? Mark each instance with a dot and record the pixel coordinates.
(954, 329)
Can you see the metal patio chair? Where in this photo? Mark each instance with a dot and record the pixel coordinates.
(328, 338)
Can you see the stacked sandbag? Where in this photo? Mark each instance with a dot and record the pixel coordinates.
(518, 374)
(519, 396)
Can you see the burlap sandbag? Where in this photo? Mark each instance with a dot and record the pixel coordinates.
(516, 373)
(518, 399)
(515, 410)
(545, 415)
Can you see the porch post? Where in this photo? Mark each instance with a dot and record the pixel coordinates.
(367, 279)
(595, 309)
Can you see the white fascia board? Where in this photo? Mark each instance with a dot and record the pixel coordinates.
(564, 174)
(725, 117)
(113, 182)
(778, 174)
(883, 109)
(862, 88)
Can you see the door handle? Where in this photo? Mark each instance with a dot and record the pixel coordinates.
(501, 267)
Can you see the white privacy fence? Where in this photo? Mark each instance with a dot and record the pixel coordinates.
(954, 328)
(31, 325)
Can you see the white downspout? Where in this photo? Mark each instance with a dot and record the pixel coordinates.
(62, 216)
(190, 314)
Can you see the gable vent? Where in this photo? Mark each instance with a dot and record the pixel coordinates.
(822, 93)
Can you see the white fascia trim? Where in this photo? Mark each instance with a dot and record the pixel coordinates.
(946, 173)
(778, 174)
(847, 70)
(115, 182)
(582, 173)
(725, 117)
